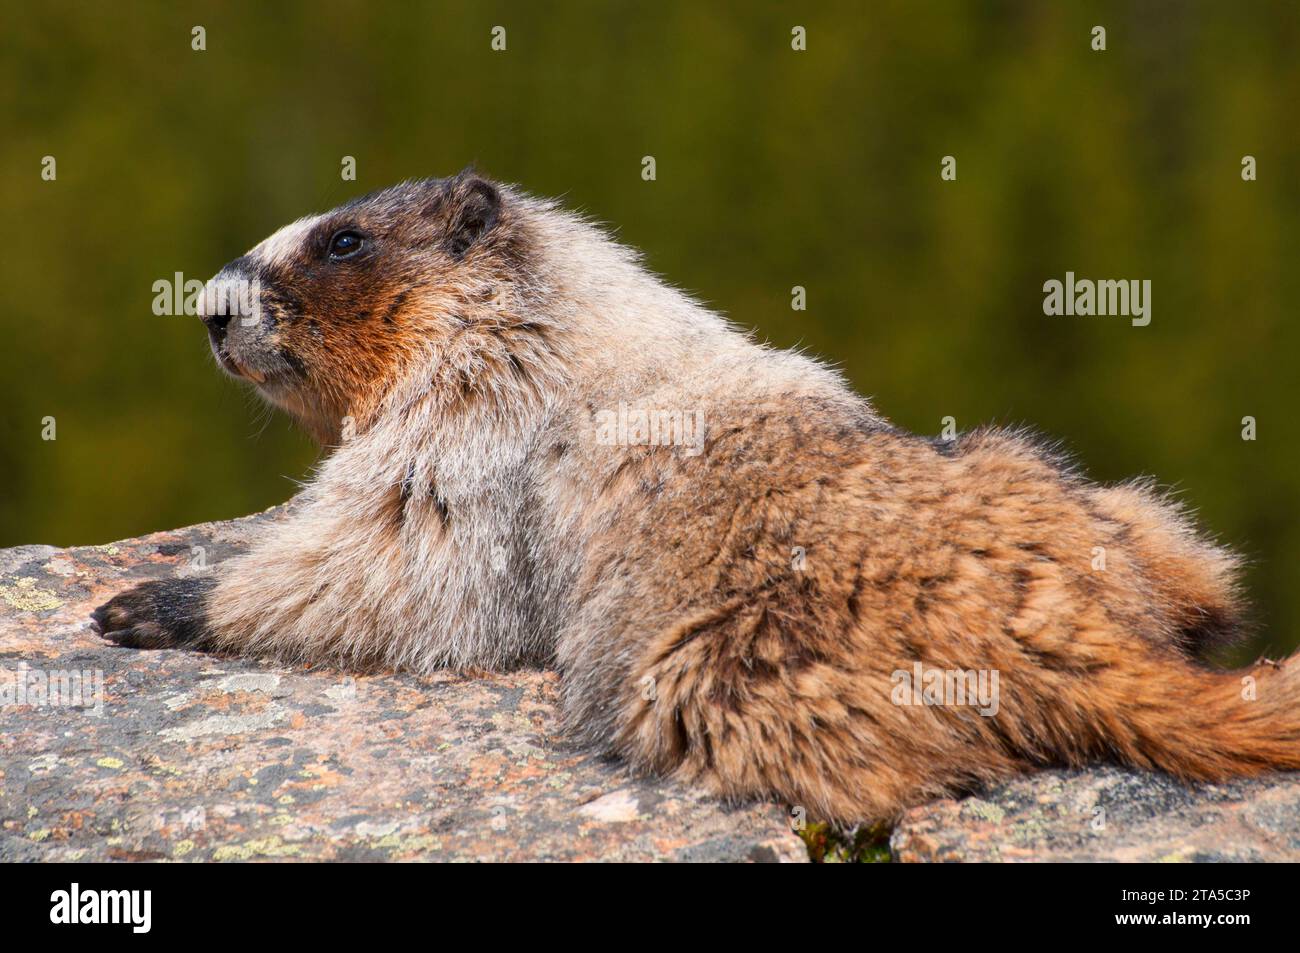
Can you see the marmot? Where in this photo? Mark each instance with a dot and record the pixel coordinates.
(543, 454)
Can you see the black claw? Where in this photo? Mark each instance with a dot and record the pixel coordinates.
(132, 638)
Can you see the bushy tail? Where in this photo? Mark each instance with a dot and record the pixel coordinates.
(1160, 708)
(1199, 724)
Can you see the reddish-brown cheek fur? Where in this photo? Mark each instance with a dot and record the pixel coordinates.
(350, 357)
(772, 678)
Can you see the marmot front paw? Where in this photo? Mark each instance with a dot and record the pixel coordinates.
(156, 615)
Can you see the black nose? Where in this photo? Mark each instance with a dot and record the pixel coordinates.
(227, 295)
(216, 322)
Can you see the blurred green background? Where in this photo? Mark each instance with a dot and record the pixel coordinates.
(775, 168)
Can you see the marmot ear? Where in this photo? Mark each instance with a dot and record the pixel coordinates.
(472, 207)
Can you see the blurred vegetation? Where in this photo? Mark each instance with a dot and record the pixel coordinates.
(868, 844)
(775, 168)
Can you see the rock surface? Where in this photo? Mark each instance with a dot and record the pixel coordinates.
(1108, 814)
(185, 756)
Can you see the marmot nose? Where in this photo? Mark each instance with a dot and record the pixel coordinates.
(216, 322)
(230, 294)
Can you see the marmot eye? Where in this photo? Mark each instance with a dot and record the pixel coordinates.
(345, 243)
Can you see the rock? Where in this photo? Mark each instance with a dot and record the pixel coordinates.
(1108, 814)
(182, 756)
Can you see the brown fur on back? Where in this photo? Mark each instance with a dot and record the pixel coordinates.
(771, 673)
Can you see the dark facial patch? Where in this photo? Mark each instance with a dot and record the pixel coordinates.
(333, 326)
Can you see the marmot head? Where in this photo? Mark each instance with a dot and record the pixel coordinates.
(322, 316)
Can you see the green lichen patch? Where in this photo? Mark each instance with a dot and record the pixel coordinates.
(25, 596)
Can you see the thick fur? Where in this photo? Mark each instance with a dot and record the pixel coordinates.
(735, 615)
